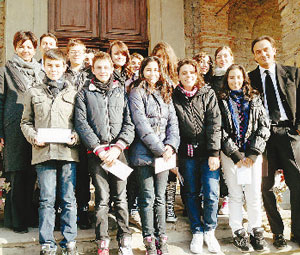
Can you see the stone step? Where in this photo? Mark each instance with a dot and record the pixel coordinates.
(178, 233)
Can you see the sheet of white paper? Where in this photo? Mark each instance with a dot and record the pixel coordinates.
(243, 175)
(118, 169)
(162, 165)
(54, 135)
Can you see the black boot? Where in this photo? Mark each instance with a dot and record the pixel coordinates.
(170, 201)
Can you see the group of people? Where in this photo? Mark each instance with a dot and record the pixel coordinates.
(133, 109)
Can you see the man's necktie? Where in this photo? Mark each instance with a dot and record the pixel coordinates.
(273, 105)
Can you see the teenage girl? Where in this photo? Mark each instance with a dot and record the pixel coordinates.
(244, 134)
(165, 52)
(200, 143)
(157, 135)
(206, 66)
(120, 56)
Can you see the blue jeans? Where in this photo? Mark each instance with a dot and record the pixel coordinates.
(196, 174)
(152, 200)
(55, 174)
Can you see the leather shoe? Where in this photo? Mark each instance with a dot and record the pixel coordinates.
(279, 242)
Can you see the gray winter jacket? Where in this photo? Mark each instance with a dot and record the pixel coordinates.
(156, 125)
(103, 117)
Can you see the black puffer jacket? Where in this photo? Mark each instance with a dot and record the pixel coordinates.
(257, 134)
(103, 117)
(199, 122)
(156, 126)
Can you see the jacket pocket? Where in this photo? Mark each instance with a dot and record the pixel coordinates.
(39, 105)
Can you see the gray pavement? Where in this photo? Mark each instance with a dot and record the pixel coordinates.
(178, 233)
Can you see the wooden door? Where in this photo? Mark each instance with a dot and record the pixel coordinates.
(97, 22)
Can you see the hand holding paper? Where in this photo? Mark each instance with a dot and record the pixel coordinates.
(118, 169)
(168, 152)
(162, 165)
(111, 155)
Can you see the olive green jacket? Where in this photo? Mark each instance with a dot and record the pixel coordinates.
(42, 110)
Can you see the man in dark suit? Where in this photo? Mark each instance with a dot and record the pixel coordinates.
(279, 87)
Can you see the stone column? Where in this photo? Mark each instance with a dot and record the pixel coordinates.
(24, 15)
(166, 23)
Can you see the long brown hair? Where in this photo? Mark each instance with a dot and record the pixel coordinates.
(199, 82)
(170, 59)
(124, 50)
(248, 91)
(201, 56)
(162, 85)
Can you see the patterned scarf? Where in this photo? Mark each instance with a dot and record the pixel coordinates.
(25, 74)
(239, 109)
(189, 94)
(56, 86)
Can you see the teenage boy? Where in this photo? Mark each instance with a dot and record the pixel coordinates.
(103, 122)
(77, 73)
(47, 41)
(51, 105)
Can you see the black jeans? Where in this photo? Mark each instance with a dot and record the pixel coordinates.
(107, 184)
(83, 194)
(282, 150)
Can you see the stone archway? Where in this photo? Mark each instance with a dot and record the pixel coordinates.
(248, 20)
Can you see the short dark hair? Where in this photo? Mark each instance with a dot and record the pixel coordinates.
(48, 35)
(55, 54)
(22, 36)
(261, 38)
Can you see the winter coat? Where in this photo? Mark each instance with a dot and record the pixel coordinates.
(257, 134)
(103, 117)
(17, 151)
(156, 126)
(199, 122)
(42, 110)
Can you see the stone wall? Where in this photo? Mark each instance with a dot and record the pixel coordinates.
(2, 32)
(206, 25)
(210, 24)
(248, 20)
(290, 13)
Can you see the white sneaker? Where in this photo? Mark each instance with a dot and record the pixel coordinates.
(196, 245)
(224, 210)
(211, 241)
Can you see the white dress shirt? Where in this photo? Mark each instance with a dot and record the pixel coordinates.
(272, 72)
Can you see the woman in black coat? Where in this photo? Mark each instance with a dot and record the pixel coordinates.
(16, 77)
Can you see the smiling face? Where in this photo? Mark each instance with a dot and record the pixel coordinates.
(151, 72)
(54, 68)
(235, 79)
(76, 54)
(187, 76)
(25, 50)
(264, 53)
(224, 59)
(102, 69)
(117, 56)
(135, 64)
(204, 65)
